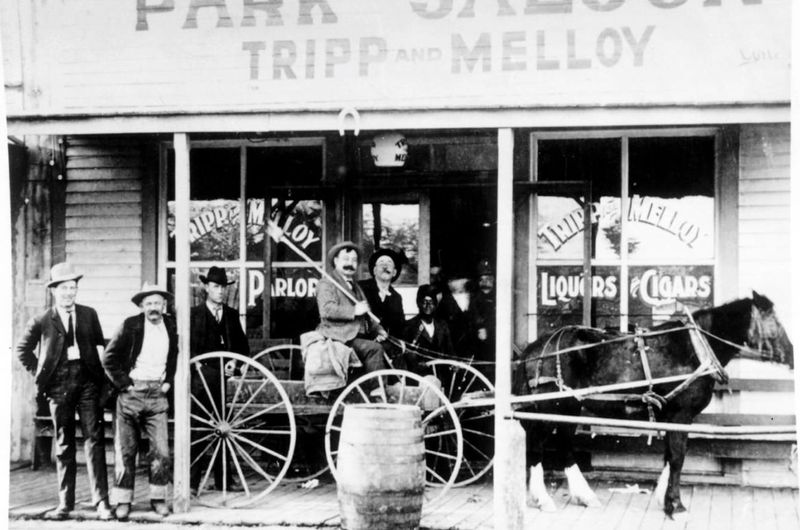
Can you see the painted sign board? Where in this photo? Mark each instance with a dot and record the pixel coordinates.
(193, 55)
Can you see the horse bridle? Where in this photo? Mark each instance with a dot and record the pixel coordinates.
(763, 331)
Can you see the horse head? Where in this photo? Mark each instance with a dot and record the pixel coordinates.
(766, 334)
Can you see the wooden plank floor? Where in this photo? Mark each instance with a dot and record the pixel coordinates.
(32, 493)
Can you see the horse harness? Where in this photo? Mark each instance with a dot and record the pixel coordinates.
(708, 361)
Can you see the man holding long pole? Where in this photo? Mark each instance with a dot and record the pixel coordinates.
(344, 312)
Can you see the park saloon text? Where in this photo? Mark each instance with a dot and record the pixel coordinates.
(544, 48)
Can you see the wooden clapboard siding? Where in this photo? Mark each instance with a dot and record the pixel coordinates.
(104, 222)
(764, 181)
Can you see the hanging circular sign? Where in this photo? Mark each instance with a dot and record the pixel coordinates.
(389, 150)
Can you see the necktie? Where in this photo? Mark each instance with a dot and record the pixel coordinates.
(218, 314)
(70, 331)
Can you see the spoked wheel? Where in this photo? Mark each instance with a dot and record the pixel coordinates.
(243, 430)
(279, 360)
(439, 420)
(460, 383)
(309, 457)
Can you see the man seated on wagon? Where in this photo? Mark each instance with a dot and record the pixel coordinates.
(344, 311)
(425, 335)
(385, 266)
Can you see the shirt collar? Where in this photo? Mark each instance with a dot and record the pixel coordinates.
(213, 307)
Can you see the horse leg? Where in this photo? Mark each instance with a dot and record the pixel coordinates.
(674, 455)
(537, 496)
(579, 489)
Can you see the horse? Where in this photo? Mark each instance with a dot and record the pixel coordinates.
(597, 357)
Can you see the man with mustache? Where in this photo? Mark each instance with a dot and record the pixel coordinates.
(140, 360)
(346, 321)
(69, 374)
(385, 265)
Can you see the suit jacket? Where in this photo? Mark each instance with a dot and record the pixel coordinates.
(463, 325)
(389, 310)
(126, 345)
(206, 331)
(337, 313)
(47, 330)
(416, 335)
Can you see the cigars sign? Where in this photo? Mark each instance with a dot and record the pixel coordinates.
(323, 54)
(649, 287)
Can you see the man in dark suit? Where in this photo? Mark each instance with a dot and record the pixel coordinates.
(68, 373)
(426, 333)
(485, 308)
(384, 301)
(457, 308)
(140, 360)
(215, 326)
(346, 321)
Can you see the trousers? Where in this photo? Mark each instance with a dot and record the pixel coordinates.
(74, 391)
(142, 410)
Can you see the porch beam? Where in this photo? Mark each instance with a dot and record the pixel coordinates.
(181, 437)
(299, 120)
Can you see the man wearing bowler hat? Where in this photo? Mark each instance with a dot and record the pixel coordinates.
(385, 302)
(140, 360)
(215, 326)
(69, 374)
(343, 319)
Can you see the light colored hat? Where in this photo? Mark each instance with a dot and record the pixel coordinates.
(345, 245)
(147, 290)
(62, 272)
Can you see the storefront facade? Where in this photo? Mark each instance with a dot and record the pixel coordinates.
(661, 126)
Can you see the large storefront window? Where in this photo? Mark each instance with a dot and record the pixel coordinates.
(652, 237)
(275, 282)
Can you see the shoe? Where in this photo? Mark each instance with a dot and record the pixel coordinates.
(160, 507)
(122, 511)
(104, 511)
(234, 486)
(59, 514)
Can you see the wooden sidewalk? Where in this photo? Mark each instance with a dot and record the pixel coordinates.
(32, 493)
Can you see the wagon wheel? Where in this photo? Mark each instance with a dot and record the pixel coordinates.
(230, 430)
(439, 419)
(309, 457)
(460, 383)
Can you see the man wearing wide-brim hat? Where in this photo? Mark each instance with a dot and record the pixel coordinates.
(140, 360)
(344, 310)
(215, 326)
(68, 372)
(385, 266)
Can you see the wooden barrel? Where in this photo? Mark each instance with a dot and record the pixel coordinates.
(380, 472)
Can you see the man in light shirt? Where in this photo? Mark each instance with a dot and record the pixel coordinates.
(140, 360)
(68, 372)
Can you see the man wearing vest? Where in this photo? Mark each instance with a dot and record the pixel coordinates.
(68, 372)
(215, 326)
(140, 360)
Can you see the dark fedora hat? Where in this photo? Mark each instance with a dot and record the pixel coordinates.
(338, 247)
(216, 275)
(397, 258)
(147, 290)
(62, 272)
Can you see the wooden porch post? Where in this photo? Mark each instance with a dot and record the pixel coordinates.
(6, 271)
(509, 487)
(182, 304)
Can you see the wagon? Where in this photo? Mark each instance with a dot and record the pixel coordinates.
(259, 426)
